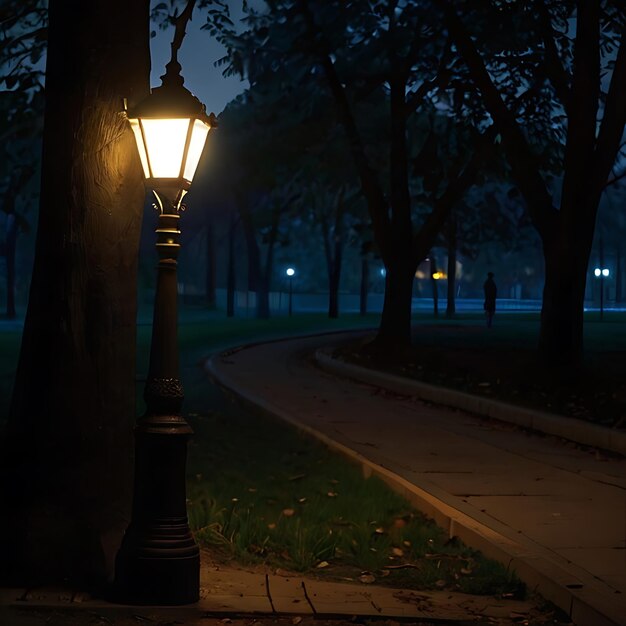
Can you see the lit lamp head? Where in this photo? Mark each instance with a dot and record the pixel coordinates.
(597, 271)
(171, 127)
(290, 272)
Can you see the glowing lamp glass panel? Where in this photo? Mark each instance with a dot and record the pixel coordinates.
(134, 124)
(165, 145)
(605, 272)
(290, 271)
(199, 133)
(597, 271)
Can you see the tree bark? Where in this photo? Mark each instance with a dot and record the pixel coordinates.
(334, 278)
(211, 299)
(230, 278)
(394, 334)
(67, 464)
(9, 251)
(365, 279)
(433, 282)
(451, 291)
(561, 333)
(618, 274)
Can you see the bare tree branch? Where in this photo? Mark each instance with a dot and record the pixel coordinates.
(524, 164)
(609, 139)
(559, 77)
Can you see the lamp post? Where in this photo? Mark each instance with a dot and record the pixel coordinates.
(159, 561)
(601, 273)
(290, 273)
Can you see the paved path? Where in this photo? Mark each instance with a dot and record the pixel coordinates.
(554, 512)
(230, 592)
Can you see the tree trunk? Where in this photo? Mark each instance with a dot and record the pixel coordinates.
(9, 250)
(618, 274)
(230, 278)
(451, 292)
(365, 278)
(334, 277)
(561, 333)
(263, 298)
(67, 465)
(211, 299)
(433, 281)
(394, 334)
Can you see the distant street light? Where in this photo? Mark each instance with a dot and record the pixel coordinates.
(601, 273)
(159, 561)
(290, 273)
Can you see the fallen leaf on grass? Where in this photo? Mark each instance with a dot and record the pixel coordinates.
(440, 584)
(271, 526)
(332, 494)
(398, 551)
(297, 477)
(367, 578)
(288, 512)
(322, 564)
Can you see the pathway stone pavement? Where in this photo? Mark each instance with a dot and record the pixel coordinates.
(231, 593)
(550, 509)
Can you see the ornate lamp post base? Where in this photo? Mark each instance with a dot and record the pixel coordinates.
(159, 561)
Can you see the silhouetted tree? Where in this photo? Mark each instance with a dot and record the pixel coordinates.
(363, 53)
(559, 51)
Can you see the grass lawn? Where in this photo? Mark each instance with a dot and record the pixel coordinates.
(501, 362)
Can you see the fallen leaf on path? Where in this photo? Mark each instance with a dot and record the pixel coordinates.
(297, 477)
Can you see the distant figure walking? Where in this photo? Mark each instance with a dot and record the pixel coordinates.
(491, 291)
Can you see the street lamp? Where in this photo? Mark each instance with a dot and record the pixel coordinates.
(290, 273)
(601, 273)
(159, 561)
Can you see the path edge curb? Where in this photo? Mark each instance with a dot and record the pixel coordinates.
(570, 428)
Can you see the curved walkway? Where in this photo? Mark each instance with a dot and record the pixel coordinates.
(554, 513)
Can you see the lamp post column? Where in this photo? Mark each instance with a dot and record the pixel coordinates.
(159, 562)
